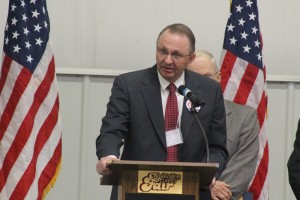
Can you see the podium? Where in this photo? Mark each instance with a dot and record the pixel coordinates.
(157, 180)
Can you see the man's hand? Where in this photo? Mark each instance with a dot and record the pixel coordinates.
(220, 191)
(102, 163)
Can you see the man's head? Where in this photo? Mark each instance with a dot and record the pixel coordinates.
(205, 64)
(175, 48)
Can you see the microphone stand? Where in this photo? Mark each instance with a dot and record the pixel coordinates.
(203, 132)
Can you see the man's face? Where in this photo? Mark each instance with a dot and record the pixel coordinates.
(172, 55)
(204, 66)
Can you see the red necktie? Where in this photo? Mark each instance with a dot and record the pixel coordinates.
(171, 119)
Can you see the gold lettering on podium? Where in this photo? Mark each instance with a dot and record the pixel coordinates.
(166, 182)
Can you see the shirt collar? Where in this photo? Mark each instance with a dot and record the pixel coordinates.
(164, 83)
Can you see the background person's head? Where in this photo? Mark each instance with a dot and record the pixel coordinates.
(175, 48)
(206, 65)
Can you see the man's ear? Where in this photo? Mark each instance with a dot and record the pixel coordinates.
(219, 76)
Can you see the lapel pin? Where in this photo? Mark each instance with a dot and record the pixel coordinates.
(189, 106)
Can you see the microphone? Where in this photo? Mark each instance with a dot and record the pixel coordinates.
(184, 91)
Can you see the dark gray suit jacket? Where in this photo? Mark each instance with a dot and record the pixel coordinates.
(134, 118)
(294, 165)
(242, 145)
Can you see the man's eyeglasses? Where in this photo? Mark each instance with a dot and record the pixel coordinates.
(211, 75)
(175, 56)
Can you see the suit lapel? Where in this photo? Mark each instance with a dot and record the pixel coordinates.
(150, 88)
(187, 118)
(228, 113)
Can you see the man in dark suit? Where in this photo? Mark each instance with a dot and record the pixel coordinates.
(294, 165)
(136, 110)
(242, 137)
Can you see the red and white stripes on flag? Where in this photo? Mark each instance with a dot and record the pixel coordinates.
(30, 124)
(244, 79)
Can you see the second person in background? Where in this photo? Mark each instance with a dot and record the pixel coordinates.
(242, 137)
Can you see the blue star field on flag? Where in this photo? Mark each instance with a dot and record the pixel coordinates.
(242, 35)
(26, 32)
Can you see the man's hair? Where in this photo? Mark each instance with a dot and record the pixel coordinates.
(210, 56)
(183, 30)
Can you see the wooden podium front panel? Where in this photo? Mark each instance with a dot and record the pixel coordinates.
(125, 175)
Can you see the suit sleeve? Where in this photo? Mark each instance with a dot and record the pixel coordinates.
(294, 165)
(115, 122)
(242, 163)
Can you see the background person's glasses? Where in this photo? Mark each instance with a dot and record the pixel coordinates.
(211, 75)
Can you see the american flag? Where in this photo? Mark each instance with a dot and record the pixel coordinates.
(30, 127)
(244, 78)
